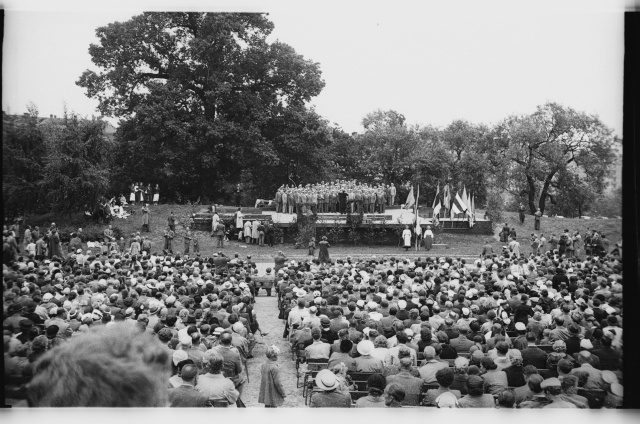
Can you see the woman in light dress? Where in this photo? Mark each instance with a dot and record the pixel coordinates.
(406, 237)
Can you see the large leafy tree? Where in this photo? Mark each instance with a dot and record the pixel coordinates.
(76, 172)
(23, 159)
(538, 155)
(200, 95)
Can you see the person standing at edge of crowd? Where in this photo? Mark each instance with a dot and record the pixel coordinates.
(521, 213)
(537, 217)
(172, 222)
(187, 241)
(156, 195)
(237, 217)
(272, 392)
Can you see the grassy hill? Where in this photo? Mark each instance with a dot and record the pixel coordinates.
(457, 244)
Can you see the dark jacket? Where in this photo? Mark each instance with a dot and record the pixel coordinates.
(186, 396)
(534, 356)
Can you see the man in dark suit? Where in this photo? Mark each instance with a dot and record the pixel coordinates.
(532, 355)
(186, 395)
(461, 343)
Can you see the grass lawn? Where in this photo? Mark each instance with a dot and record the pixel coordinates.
(465, 245)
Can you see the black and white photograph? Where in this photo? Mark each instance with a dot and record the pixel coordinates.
(300, 205)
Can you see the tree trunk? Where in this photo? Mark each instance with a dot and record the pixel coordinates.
(532, 194)
(545, 190)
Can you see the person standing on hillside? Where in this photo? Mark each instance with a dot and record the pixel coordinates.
(220, 235)
(172, 222)
(537, 216)
(215, 220)
(187, 241)
(145, 217)
(168, 239)
(238, 195)
(521, 213)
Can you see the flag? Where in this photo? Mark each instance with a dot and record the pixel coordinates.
(460, 203)
(435, 199)
(436, 209)
(410, 200)
(447, 197)
(465, 197)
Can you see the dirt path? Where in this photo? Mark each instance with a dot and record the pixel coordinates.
(267, 312)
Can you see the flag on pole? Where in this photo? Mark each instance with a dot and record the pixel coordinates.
(417, 229)
(436, 209)
(435, 199)
(410, 200)
(447, 197)
(465, 197)
(459, 204)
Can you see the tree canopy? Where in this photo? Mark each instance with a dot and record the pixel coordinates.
(205, 100)
(552, 150)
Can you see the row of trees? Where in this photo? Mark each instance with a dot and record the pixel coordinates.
(206, 102)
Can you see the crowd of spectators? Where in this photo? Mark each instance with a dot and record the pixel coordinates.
(500, 332)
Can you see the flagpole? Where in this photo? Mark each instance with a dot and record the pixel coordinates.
(416, 216)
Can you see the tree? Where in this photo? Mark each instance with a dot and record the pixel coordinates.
(199, 94)
(23, 157)
(76, 173)
(533, 151)
(389, 148)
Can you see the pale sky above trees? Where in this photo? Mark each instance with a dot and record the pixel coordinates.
(478, 61)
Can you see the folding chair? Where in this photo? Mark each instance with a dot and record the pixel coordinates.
(312, 365)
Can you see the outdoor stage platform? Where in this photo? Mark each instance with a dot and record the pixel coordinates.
(392, 218)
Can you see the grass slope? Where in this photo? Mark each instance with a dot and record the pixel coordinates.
(457, 244)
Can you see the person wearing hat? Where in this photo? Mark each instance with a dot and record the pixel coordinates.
(365, 362)
(552, 388)
(476, 398)
(15, 316)
(328, 396)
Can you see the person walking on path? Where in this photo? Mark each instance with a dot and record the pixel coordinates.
(323, 249)
(272, 392)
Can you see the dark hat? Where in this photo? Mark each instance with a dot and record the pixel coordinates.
(52, 331)
(14, 308)
(324, 321)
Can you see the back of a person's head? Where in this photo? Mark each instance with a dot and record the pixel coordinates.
(444, 376)
(506, 398)
(213, 361)
(402, 337)
(569, 382)
(488, 363)
(225, 339)
(346, 346)
(475, 385)
(534, 383)
(502, 348)
(406, 363)
(189, 372)
(565, 366)
(115, 365)
(380, 341)
(396, 392)
(316, 333)
(376, 384)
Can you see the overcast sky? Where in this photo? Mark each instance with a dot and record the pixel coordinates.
(479, 61)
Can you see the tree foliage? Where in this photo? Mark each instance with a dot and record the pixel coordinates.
(206, 100)
(543, 154)
(23, 158)
(76, 173)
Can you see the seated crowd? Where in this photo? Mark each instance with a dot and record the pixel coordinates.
(195, 316)
(542, 331)
(154, 330)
